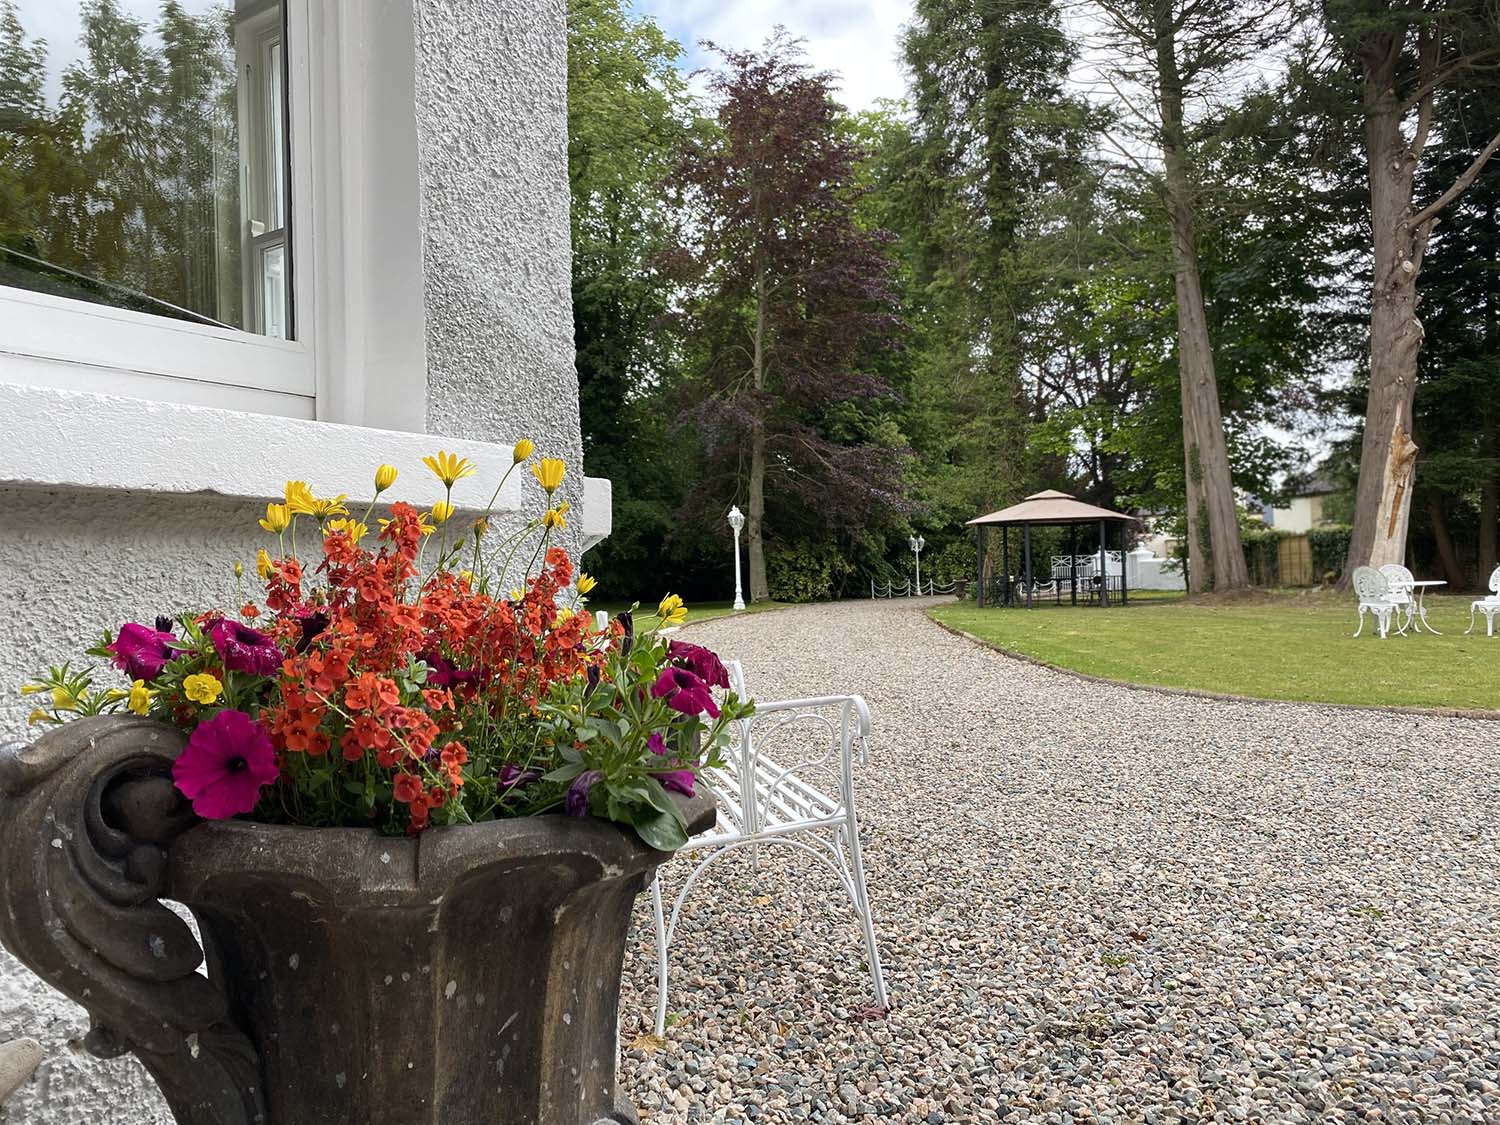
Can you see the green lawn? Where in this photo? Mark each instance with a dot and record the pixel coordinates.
(697, 611)
(1282, 645)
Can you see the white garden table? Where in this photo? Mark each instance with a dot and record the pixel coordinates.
(1419, 611)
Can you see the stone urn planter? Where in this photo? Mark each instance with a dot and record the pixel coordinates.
(469, 976)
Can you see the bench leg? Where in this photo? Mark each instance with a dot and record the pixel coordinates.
(658, 916)
(866, 916)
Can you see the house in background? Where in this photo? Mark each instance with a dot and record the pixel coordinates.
(1303, 510)
(244, 241)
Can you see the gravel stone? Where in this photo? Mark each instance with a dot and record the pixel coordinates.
(1095, 904)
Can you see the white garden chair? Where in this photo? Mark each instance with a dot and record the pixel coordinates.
(764, 802)
(1488, 606)
(1374, 590)
(1402, 590)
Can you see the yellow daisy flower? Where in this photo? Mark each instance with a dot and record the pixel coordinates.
(299, 498)
(263, 565)
(449, 468)
(385, 476)
(278, 516)
(671, 610)
(325, 508)
(554, 517)
(356, 530)
(549, 473)
(586, 583)
(524, 449)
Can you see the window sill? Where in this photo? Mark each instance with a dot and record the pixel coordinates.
(72, 440)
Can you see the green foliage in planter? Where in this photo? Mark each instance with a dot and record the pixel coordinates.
(805, 572)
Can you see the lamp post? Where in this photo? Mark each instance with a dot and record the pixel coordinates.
(737, 521)
(917, 543)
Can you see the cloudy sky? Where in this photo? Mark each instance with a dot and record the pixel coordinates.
(856, 38)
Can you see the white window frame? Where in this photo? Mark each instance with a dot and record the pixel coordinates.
(67, 344)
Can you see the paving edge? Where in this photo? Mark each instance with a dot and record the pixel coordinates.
(1195, 693)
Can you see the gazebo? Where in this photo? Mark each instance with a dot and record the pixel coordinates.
(1054, 509)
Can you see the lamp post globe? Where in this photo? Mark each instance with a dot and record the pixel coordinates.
(737, 523)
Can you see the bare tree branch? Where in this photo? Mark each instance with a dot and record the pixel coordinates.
(1460, 185)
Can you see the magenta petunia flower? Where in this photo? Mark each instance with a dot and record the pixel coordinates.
(704, 662)
(656, 743)
(685, 692)
(224, 766)
(243, 649)
(141, 652)
(680, 780)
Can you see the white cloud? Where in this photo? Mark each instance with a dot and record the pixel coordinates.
(857, 39)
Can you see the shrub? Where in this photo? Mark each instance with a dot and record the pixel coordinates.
(805, 572)
(1330, 547)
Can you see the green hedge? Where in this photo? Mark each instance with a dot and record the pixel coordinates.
(805, 572)
(1330, 547)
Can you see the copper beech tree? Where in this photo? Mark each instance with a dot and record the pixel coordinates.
(790, 306)
(1402, 54)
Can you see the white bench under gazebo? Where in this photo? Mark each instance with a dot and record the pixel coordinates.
(1054, 509)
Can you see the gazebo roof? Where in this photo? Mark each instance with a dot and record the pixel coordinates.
(1050, 506)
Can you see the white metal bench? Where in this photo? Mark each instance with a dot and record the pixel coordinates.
(1488, 606)
(762, 801)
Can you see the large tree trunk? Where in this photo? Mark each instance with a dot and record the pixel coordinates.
(1383, 501)
(1216, 559)
(760, 589)
(1448, 563)
(1489, 509)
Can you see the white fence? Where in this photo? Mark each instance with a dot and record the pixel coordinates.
(908, 589)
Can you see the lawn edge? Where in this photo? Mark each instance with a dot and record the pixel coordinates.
(1199, 693)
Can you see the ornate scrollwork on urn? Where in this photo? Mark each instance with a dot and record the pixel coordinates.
(90, 810)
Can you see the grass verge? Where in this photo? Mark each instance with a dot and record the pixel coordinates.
(1278, 645)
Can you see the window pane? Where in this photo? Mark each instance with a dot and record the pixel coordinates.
(143, 157)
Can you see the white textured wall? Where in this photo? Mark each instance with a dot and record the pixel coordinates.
(491, 126)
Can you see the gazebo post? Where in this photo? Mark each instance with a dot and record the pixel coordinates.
(1103, 569)
(1005, 565)
(1124, 569)
(1073, 561)
(1026, 538)
(979, 565)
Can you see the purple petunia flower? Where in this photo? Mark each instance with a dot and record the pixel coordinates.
(226, 762)
(657, 744)
(704, 662)
(313, 623)
(680, 780)
(514, 777)
(243, 649)
(578, 793)
(141, 652)
(685, 692)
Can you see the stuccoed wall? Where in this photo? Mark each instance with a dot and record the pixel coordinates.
(491, 127)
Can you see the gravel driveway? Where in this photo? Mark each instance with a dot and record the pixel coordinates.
(1095, 904)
